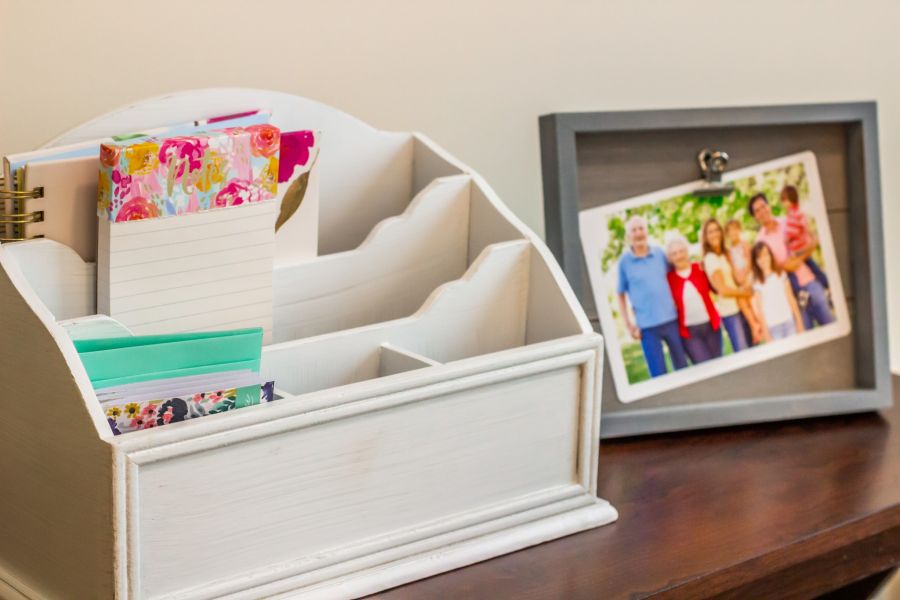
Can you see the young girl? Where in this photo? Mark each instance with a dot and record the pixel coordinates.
(699, 322)
(739, 251)
(774, 302)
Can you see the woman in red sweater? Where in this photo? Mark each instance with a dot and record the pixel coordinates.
(698, 320)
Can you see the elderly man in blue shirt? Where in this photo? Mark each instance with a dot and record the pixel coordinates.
(642, 280)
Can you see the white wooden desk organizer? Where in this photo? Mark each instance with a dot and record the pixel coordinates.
(442, 399)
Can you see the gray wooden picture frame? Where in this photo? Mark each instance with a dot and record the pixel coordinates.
(619, 141)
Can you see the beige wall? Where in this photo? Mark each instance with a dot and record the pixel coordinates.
(473, 75)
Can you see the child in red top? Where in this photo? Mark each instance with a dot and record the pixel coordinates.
(796, 226)
(798, 238)
(698, 320)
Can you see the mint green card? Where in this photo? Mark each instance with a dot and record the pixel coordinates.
(116, 361)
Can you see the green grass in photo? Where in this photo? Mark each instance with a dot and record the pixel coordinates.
(636, 366)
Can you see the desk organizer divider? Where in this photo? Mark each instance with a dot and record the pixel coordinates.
(441, 399)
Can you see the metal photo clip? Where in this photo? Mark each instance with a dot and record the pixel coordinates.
(712, 166)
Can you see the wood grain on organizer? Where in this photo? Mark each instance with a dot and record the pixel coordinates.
(427, 423)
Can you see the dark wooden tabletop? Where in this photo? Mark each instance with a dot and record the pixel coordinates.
(787, 510)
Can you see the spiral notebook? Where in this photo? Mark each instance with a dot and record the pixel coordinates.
(52, 192)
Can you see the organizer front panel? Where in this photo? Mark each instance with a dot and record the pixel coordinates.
(287, 503)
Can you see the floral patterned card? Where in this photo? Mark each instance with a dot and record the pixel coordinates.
(162, 177)
(125, 417)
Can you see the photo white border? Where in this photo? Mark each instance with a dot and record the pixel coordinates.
(593, 228)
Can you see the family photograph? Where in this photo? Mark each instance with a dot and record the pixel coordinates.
(683, 281)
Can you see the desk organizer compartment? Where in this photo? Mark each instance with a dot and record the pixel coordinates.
(481, 313)
(395, 268)
(440, 401)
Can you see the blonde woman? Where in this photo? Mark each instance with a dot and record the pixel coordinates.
(732, 300)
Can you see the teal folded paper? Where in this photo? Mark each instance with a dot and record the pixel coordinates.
(123, 360)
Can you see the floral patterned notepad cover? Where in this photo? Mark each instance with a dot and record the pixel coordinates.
(163, 177)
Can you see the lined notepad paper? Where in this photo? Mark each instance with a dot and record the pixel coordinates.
(196, 272)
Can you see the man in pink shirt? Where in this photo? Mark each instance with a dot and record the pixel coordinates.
(773, 232)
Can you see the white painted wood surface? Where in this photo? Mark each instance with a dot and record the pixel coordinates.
(482, 312)
(56, 539)
(65, 284)
(393, 360)
(402, 260)
(94, 327)
(417, 436)
(317, 477)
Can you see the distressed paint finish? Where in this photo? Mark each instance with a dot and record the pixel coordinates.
(410, 441)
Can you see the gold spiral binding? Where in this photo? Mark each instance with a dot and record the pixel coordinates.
(21, 195)
(17, 219)
(4, 240)
(22, 218)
